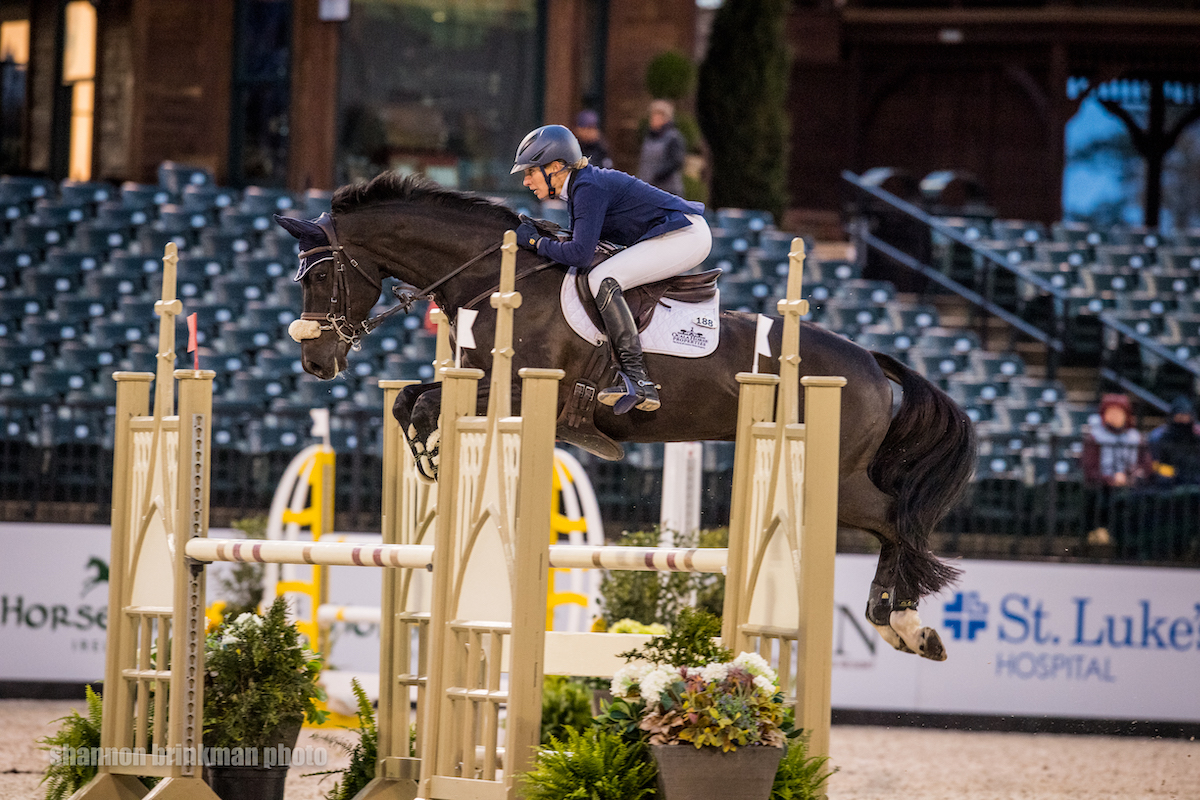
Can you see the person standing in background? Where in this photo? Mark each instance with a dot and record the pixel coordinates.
(591, 141)
(663, 150)
(1175, 447)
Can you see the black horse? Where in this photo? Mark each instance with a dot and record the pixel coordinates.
(899, 475)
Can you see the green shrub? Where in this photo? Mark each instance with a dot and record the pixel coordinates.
(800, 777)
(78, 732)
(689, 644)
(648, 598)
(596, 764)
(669, 76)
(258, 679)
(566, 703)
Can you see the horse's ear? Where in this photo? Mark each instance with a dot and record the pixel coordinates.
(299, 227)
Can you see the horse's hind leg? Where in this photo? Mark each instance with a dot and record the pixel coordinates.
(891, 609)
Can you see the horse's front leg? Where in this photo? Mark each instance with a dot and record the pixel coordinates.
(417, 409)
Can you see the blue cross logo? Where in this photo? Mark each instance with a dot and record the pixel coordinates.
(966, 614)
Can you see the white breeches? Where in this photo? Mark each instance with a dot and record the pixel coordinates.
(666, 256)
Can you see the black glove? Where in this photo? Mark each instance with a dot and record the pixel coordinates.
(527, 236)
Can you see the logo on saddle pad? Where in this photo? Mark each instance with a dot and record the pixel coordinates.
(689, 330)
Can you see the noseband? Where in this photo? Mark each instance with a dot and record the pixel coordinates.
(337, 319)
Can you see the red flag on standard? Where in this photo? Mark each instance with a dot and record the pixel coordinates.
(192, 348)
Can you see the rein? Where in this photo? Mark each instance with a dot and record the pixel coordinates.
(336, 319)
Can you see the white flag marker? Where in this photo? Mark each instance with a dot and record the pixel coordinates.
(463, 337)
(761, 345)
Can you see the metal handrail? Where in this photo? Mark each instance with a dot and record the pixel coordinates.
(935, 224)
(1058, 295)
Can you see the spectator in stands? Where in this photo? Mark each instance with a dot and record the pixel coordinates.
(1175, 447)
(1114, 453)
(1115, 458)
(591, 141)
(663, 150)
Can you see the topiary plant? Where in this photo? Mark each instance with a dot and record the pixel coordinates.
(669, 76)
(596, 764)
(258, 679)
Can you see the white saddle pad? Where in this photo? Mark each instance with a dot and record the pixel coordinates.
(688, 330)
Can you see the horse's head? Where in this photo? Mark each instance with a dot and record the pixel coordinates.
(340, 288)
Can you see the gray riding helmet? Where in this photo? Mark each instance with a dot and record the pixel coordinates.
(546, 145)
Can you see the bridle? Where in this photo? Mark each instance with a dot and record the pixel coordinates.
(337, 319)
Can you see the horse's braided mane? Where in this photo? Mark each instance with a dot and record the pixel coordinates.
(391, 187)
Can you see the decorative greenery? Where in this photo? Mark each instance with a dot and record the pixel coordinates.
(77, 732)
(742, 104)
(363, 753)
(648, 598)
(243, 588)
(800, 777)
(669, 76)
(566, 704)
(689, 644)
(727, 704)
(259, 679)
(595, 764)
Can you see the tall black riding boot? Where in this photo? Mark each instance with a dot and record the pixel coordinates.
(622, 332)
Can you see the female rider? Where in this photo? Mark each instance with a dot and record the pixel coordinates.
(664, 236)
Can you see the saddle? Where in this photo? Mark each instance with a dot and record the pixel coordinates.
(576, 423)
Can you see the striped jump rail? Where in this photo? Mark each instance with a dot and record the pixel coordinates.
(411, 556)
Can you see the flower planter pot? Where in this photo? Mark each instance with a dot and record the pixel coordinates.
(687, 773)
(255, 783)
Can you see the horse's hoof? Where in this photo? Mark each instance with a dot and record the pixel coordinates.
(923, 641)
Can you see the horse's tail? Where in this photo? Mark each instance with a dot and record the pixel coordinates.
(924, 462)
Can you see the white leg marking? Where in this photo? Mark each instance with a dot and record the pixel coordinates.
(907, 623)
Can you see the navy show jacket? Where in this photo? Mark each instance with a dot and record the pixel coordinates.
(612, 205)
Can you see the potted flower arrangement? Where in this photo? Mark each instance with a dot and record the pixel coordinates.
(717, 725)
(259, 687)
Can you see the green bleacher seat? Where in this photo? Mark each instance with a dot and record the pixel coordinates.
(865, 291)
(21, 187)
(208, 199)
(1180, 259)
(141, 195)
(174, 176)
(57, 212)
(79, 309)
(1170, 284)
(996, 366)
(264, 200)
(1124, 257)
(127, 216)
(1012, 230)
(1096, 282)
(103, 236)
(86, 192)
(225, 243)
(914, 318)
(38, 234)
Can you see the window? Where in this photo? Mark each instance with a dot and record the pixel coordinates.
(443, 87)
(79, 73)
